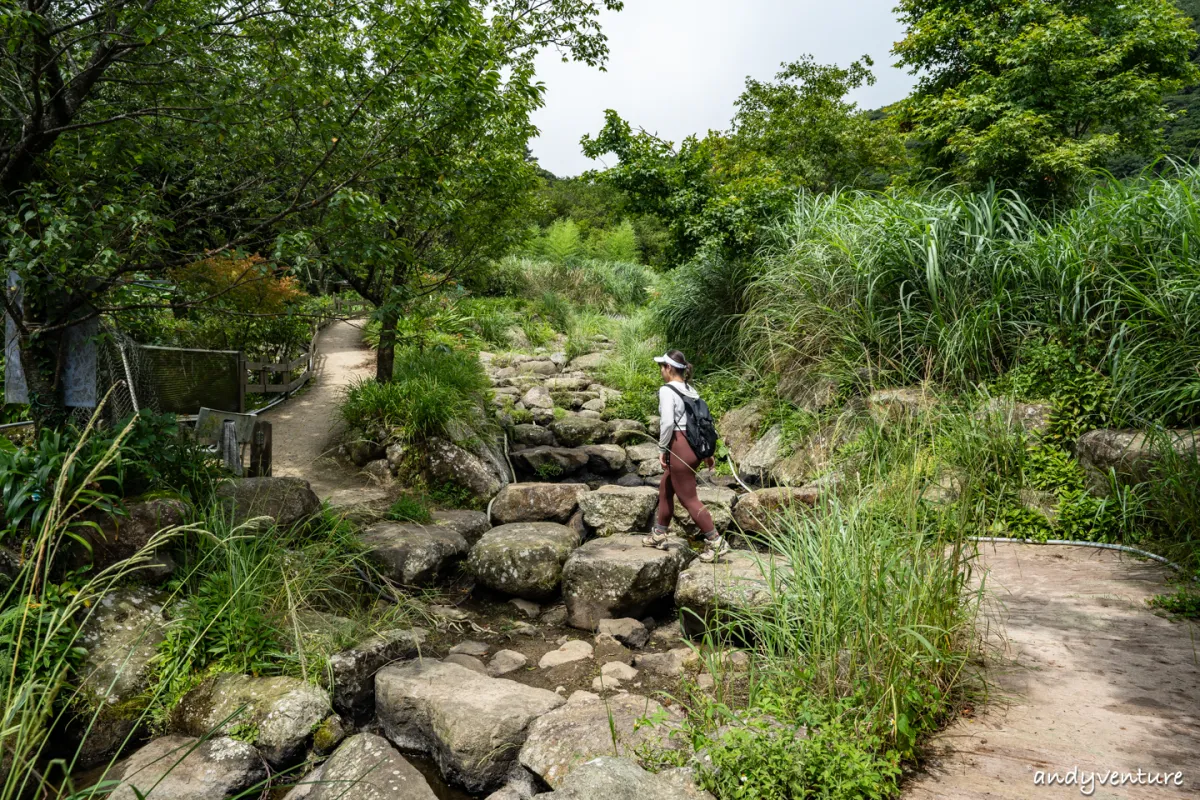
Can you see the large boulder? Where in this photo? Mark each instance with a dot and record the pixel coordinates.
(183, 768)
(472, 725)
(550, 462)
(353, 671)
(1131, 456)
(588, 362)
(287, 501)
(587, 727)
(450, 464)
(617, 576)
(469, 524)
(277, 715)
(807, 391)
(754, 511)
(815, 455)
(605, 459)
(414, 554)
(367, 767)
(741, 581)
(739, 429)
(718, 501)
(575, 431)
(121, 637)
(118, 538)
(766, 453)
(524, 559)
(627, 432)
(619, 509)
(896, 405)
(537, 502)
(532, 436)
(622, 779)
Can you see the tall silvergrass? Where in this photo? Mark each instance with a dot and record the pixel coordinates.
(603, 285)
(948, 285)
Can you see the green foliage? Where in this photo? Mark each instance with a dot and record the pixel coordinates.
(701, 307)
(447, 495)
(1033, 95)
(430, 391)
(951, 287)
(549, 471)
(763, 759)
(619, 244)
(1182, 603)
(1079, 393)
(561, 242)
(409, 507)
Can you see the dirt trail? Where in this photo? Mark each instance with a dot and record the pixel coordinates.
(1083, 675)
(306, 428)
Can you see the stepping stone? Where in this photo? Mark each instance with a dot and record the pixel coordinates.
(354, 669)
(574, 650)
(537, 397)
(373, 768)
(619, 509)
(567, 383)
(526, 607)
(471, 524)
(470, 648)
(627, 432)
(618, 576)
(588, 362)
(628, 632)
(646, 451)
(738, 583)
(623, 779)
(532, 435)
(414, 554)
(506, 661)
(183, 768)
(537, 368)
(613, 675)
(605, 459)
(472, 725)
(537, 502)
(669, 664)
(574, 734)
(470, 662)
(552, 462)
(282, 713)
(524, 559)
(576, 431)
(754, 511)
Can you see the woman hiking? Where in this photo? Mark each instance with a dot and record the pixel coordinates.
(679, 460)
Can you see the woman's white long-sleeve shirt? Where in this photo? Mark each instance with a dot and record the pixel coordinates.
(672, 413)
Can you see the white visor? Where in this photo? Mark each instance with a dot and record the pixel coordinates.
(666, 359)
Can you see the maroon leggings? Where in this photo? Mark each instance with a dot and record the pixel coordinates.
(680, 480)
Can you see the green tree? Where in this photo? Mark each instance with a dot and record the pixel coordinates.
(1034, 93)
(137, 137)
(720, 191)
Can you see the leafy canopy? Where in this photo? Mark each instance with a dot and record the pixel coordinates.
(1034, 93)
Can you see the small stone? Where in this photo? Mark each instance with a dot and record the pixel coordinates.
(669, 664)
(524, 629)
(506, 661)
(470, 648)
(470, 662)
(705, 681)
(627, 631)
(574, 650)
(555, 616)
(448, 612)
(527, 607)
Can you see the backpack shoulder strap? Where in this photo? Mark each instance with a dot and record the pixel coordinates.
(682, 397)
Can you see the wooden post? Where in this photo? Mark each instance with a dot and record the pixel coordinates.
(231, 454)
(260, 450)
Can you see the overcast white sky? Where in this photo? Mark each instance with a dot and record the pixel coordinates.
(677, 66)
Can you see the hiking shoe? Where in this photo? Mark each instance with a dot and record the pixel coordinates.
(657, 538)
(714, 549)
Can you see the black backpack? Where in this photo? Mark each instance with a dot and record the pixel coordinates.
(701, 432)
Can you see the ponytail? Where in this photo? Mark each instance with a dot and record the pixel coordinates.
(682, 359)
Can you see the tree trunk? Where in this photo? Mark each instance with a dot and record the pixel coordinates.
(42, 362)
(385, 356)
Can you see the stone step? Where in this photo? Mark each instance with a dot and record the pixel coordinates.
(617, 576)
(416, 554)
(709, 595)
(472, 725)
(523, 559)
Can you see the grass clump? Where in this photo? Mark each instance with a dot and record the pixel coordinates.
(410, 507)
(429, 392)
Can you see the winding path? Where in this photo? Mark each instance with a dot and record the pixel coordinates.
(1083, 674)
(306, 428)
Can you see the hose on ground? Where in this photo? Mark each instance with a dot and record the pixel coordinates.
(1073, 543)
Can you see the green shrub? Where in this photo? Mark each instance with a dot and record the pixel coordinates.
(1182, 603)
(561, 241)
(429, 391)
(615, 244)
(701, 306)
